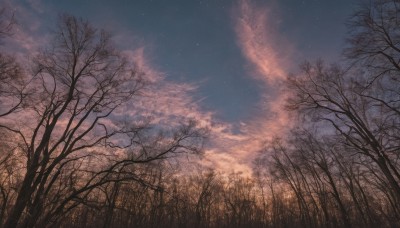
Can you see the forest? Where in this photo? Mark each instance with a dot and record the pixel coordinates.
(82, 161)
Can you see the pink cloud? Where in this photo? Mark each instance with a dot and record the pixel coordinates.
(231, 151)
(26, 37)
(268, 56)
(257, 37)
(168, 103)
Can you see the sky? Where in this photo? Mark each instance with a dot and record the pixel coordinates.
(220, 61)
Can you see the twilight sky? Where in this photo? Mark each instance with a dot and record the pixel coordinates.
(221, 61)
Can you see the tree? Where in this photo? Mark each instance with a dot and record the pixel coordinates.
(11, 75)
(352, 157)
(11, 95)
(331, 97)
(77, 138)
(6, 23)
(357, 106)
(374, 39)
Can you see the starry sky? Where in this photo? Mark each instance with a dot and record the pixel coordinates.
(232, 52)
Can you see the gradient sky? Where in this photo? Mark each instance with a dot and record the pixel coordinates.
(232, 51)
(195, 41)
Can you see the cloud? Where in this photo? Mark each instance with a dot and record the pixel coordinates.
(228, 150)
(268, 56)
(167, 103)
(27, 36)
(258, 40)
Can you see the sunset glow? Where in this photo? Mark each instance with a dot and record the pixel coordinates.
(204, 113)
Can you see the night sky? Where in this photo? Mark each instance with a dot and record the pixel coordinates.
(234, 52)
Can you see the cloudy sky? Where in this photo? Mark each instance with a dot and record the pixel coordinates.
(220, 61)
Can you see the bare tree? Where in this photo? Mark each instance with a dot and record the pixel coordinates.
(356, 109)
(74, 141)
(7, 22)
(330, 95)
(374, 39)
(11, 74)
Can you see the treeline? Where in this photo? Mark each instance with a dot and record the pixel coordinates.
(81, 161)
(341, 162)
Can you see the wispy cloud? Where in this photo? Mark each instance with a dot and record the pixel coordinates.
(27, 36)
(168, 103)
(267, 54)
(259, 40)
(229, 150)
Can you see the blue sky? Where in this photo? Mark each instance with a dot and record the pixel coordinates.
(195, 41)
(224, 59)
